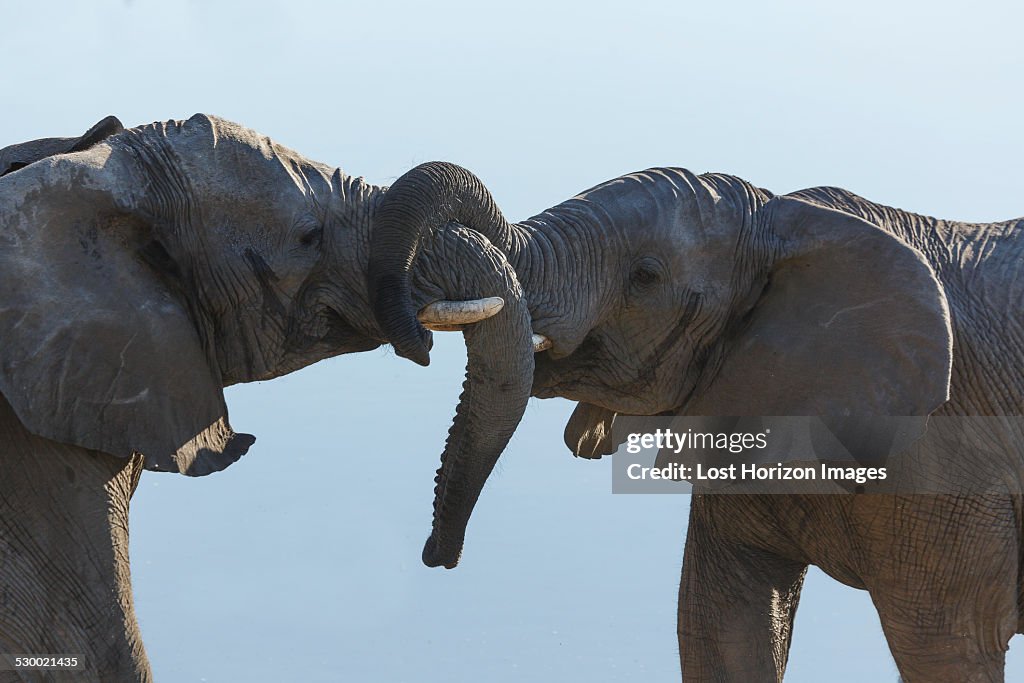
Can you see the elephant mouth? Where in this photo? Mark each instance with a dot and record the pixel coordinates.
(574, 386)
(573, 375)
(577, 378)
(559, 378)
(326, 328)
(556, 372)
(342, 335)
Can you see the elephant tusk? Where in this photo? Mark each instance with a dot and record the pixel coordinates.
(540, 343)
(453, 316)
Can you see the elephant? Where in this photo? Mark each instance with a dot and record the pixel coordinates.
(140, 274)
(665, 292)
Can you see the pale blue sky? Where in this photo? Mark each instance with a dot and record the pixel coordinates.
(301, 562)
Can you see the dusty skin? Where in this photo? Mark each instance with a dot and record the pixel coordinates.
(667, 292)
(140, 273)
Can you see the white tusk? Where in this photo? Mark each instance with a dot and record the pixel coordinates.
(452, 316)
(540, 343)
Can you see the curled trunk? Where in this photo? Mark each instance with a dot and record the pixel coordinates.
(422, 200)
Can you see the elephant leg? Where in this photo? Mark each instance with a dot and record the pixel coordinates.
(65, 587)
(947, 597)
(736, 608)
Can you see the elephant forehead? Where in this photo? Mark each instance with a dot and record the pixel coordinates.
(281, 168)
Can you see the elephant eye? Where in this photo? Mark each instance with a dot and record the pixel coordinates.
(645, 273)
(312, 236)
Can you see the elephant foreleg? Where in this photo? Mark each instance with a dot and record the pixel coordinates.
(736, 609)
(65, 587)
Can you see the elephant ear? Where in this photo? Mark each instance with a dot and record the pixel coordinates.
(851, 321)
(18, 156)
(97, 351)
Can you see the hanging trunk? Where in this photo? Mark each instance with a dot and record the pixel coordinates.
(499, 376)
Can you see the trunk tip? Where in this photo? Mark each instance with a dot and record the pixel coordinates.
(414, 343)
(418, 354)
(433, 556)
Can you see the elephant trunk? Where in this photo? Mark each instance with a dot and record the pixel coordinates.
(494, 397)
(420, 201)
(499, 377)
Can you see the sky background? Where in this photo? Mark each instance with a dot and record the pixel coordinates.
(301, 562)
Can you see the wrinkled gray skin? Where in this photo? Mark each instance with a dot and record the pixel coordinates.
(139, 277)
(665, 292)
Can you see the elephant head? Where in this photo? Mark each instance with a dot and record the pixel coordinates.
(21, 155)
(144, 274)
(668, 292)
